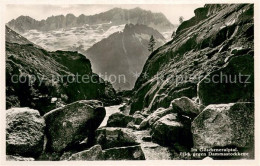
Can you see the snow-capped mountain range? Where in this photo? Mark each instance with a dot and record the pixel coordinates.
(73, 33)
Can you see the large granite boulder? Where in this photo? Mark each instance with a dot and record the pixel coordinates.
(232, 83)
(110, 137)
(24, 132)
(124, 153)
(118, 119)
(224, 125)
(72, 123)
(170, 129)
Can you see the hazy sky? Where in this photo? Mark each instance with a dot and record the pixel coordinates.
(39, 12)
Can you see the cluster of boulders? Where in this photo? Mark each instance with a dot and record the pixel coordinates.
(186, 124)
(67, 133)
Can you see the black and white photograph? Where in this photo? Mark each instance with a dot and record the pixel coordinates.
(134, 81)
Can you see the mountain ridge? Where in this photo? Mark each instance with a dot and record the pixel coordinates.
(116, 15)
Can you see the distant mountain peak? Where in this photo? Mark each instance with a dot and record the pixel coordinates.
(128, 55)
(70, 15)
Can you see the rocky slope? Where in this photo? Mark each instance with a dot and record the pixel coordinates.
(220, 40)
(43, 75)
(129, 53)
(13, 37)
(197, 91)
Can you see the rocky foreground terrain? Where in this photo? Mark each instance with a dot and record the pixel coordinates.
(161, 119)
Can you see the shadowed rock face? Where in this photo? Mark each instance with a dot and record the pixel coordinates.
(114, 16)
(237, 82)
(175, 69)
(26, 60)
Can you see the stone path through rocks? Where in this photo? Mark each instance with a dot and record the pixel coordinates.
(152, 151)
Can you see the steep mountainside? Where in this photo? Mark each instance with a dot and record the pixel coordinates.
(218, 40)
(116, 16)
(13, 37)
(123, 53)
(34, 76)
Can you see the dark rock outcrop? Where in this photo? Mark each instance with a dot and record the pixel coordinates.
(118, 120)
(174, 70)
(224, 125)
(24, 132)
(200, 14)
(72, 123)
(234, 83)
